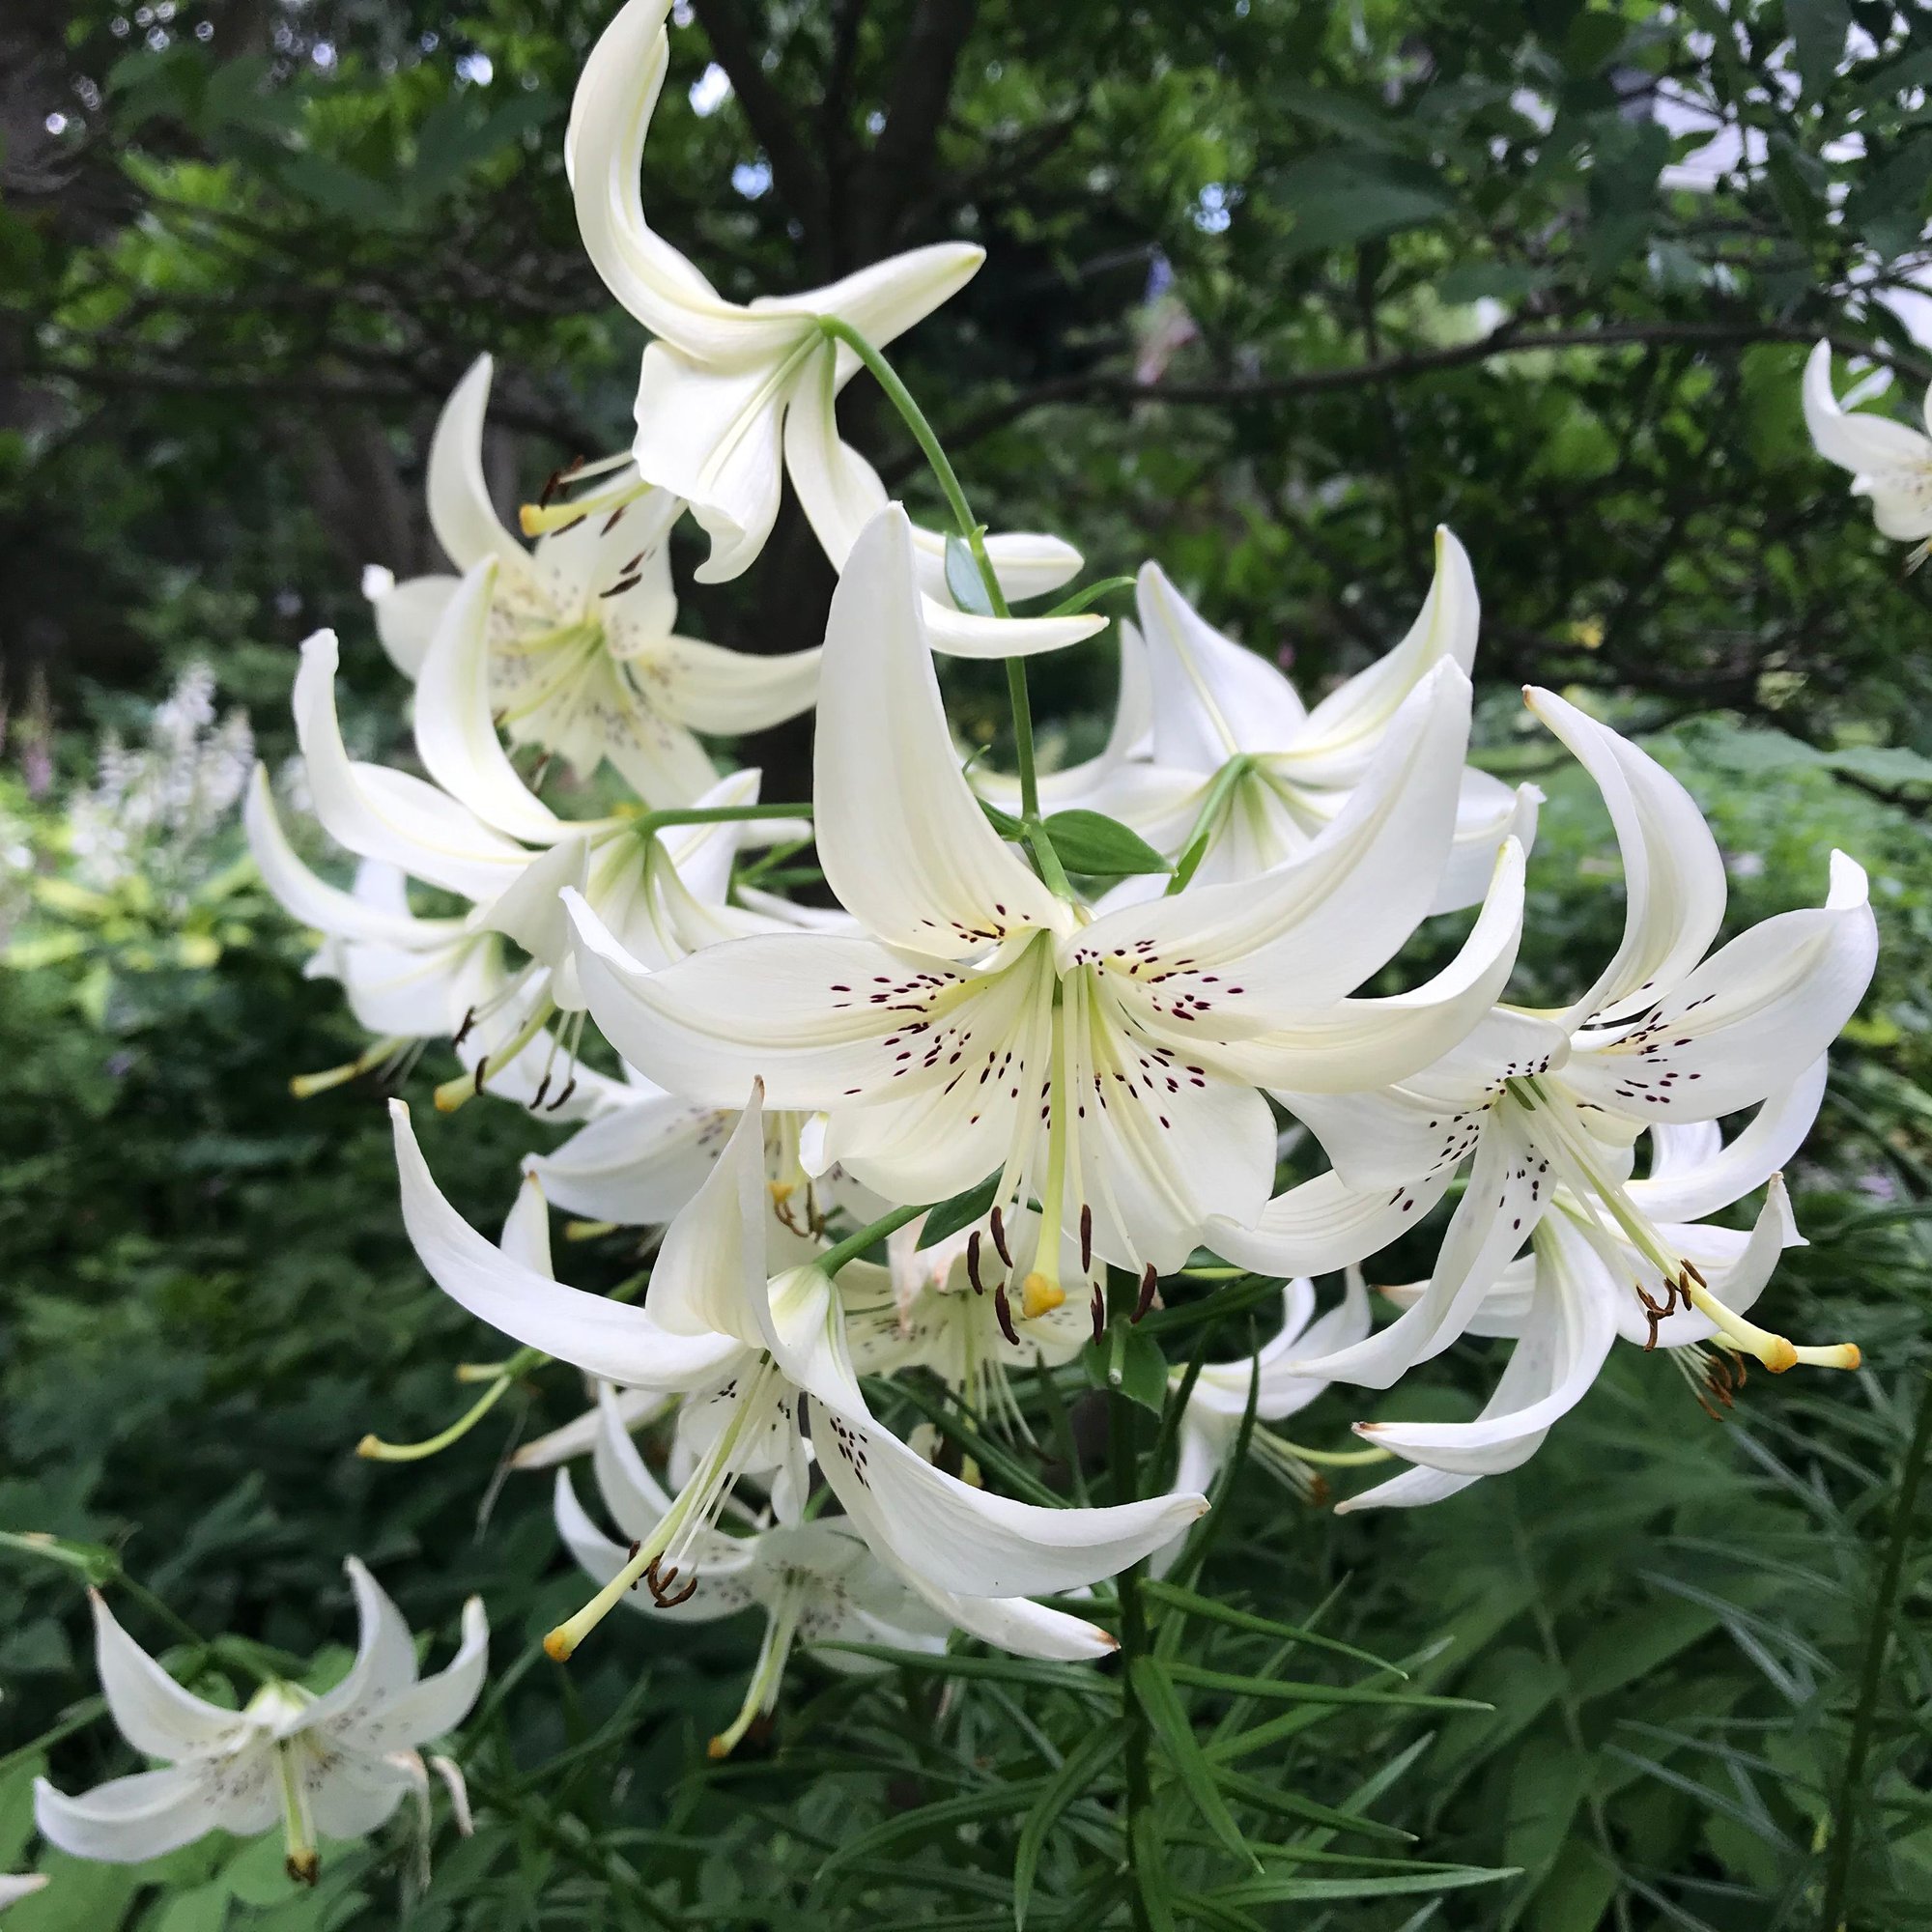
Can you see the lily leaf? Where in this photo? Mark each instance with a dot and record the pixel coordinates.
(963, 578)
(1089, 841)
(962, 1211)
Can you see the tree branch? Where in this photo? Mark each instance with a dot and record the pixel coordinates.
(794, 171)
(899, 169)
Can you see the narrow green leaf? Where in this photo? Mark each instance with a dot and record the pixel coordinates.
(941, 1815)
(1089, 841)
(1290, 1691)
(1056, 1795)
(1082, 600)
(959, 1210)
(1265, 1797)
(963, 578)
(1289, 1889)
(1194, 1605)
(1164, 1711)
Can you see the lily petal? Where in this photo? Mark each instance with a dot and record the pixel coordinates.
(1325, 1224)
(386, 1658)
(148, 1708)
(1673, 872)
(1695, 1172)
(1749, 1020)
(905, 845)
(968, 1540)
(387, 815)
(637, 1165)
(459, 511)
(726, 692)
(128, 1819)
(600, 1336)
(407, 613)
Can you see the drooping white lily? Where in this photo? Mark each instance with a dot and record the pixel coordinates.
(584, 657)
(1236, 754)
(721, 379)
(1535, 1102)
(1107, 1068)
(1569, 1299)
(816, 1581)
(330, 1766)
(747, 1349)
(1889, 463)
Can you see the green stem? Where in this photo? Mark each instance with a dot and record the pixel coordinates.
(854, 1245)
(975, 537)
(1865, 1715)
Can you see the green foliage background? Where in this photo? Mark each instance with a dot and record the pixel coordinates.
(238, 281)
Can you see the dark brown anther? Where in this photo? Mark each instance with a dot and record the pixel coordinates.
(999, 1228)
(611, 522)
(1150, 1281)
(569, 1088)
(973, 1263)
(1100, 1312)
(1086, 1239)
(303, 1867)
(1004, 1310)
(625, 569)
(622, 584)
(1690, 1268)
(556, 479)
(482, 1069)
(562, 528)
(537, 1100)
(463, 1032)
(1319, 1494)
(668, 1602)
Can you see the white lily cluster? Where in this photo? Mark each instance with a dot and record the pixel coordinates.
(958, 1117)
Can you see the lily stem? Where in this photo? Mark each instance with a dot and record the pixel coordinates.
(715, 815)
(854, 1245)
(975, 537)
(1878, 1642)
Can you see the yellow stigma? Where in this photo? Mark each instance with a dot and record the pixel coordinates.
(781, 1191)
(1778, 1352)
(1038, 1296)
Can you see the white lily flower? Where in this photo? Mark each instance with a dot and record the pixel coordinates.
(335, 1765)
(721, 379)
(1538, 1102)
(1214, 701)
(410, 978)
(584, 657)
(816, 1581)
(16, 1886)
(748, 1350)
(1107, 1068)
(1889, 463)
(637, 1408)
(1569, 1299)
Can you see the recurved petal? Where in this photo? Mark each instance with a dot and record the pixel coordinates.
(1860, 441)
(904, 843)
(1508, 1195)
(1673, 872)
(600, 1336)
(386, 814)
(1486, 812)
(1748, 1022)
(965, 1540)
(797, 1010)
(726, 692)
(440, 1702)
(407, 613)
(1357, 1044)
(1562, 1349)
(610, 116)
(1315, 927)
(721, 1590)
(1018, 1625)
(884, 300)
(313, 901)
(385, 1667)
(1695, 1172)
(127, 1819)
(455, 732)
(960, 634)
(638, 1164)
(1736, 1267)
(1324, 1224)
(1212, 697)
(150, 1708)
(1335, 745)
(459, 511)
